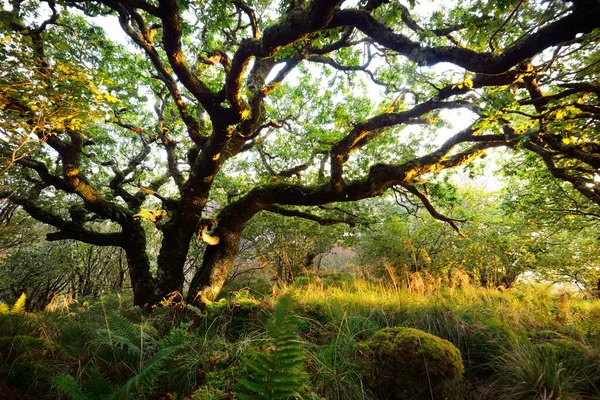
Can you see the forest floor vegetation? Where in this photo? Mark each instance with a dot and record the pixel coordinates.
(528, 342)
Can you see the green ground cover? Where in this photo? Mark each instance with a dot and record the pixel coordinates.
(522, 343)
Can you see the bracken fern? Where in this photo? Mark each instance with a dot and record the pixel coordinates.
(278, 373)
(17, 308)
(123, 334)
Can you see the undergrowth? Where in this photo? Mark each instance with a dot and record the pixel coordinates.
(523, 343)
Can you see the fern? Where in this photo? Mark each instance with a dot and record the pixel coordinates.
(279, 373)
(19, 306)
(122, 333)
(146, 377)
(126, 329)
(66, 384)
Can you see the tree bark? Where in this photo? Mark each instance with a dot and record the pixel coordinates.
(142, 282)
(171, 259)
(218, 259)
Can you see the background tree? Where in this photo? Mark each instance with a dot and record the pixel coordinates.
(501, 242)
(495, 248)
(269, 98)
(41, 269)
(288, 247)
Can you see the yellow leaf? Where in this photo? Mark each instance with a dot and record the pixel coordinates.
(19, 306)
(110, 98)
(3, 309)
(76, 124)
(94, 88)
(151, 215)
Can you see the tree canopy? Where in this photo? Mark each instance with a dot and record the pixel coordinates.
(216, 111)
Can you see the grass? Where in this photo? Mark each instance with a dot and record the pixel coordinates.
(523, 343)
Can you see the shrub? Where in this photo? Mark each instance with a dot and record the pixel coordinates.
(407, 363)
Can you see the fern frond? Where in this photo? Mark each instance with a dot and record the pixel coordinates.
(122, 326)
(279, 373)
(254, 387)
(19, 306)
(132, 348)
(196, 310)
(146, 377)
(67, 385)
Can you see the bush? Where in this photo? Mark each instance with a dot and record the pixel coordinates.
(407, 363)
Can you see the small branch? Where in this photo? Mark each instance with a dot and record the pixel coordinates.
(251, 15)
(168, 204)
(491, 41)
(339, 210)
(300, 214)
(287, 173)
(431, 209)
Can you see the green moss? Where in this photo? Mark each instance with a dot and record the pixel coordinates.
(407, 363)
(207, 394)
(225, 377)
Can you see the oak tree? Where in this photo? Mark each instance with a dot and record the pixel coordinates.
(213, 112)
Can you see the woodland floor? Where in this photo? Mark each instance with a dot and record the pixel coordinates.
(523, 343)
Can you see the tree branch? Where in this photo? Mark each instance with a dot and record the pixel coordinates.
(67, 229)
(431, 209)
(582, 20)
(312, 217)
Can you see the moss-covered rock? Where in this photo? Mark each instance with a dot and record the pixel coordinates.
(407, 363)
